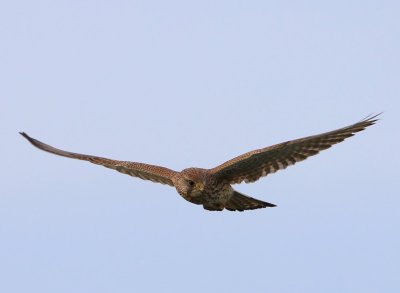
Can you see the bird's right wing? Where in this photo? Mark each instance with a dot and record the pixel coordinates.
(144, 171)
(253, 165)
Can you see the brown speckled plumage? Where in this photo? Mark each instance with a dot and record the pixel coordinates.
(212, 187)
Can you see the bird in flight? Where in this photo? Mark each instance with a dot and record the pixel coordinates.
(212, 187)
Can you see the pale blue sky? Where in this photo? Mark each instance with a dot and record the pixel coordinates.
(194, 83)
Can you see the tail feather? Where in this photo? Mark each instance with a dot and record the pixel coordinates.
(240, 202)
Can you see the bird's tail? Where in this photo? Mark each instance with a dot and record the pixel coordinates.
(240, 202)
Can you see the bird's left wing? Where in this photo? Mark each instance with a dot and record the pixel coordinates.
(250, 166)
(144, 171)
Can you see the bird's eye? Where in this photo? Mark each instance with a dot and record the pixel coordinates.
(191, 183)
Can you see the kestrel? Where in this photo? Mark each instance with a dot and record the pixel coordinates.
(212, 187)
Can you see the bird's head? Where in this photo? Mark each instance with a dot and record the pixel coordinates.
(190, 182)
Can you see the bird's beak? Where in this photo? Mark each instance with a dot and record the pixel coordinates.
(200, 186)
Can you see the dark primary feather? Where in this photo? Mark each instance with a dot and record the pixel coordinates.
(144, 171)
(250, 166)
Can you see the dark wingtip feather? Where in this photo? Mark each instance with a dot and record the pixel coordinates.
(26, 136)
(371, 118)
(23, 134)
(30, 139)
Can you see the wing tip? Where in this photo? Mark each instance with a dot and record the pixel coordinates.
(26, 136)
(371, 118)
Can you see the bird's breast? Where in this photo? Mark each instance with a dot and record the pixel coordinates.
(217, 193)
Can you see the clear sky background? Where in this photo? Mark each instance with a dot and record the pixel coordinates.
(195, 83)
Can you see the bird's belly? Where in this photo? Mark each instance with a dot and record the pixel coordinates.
(217, 194)
(214, 194)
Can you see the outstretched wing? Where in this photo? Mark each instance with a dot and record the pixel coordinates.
(143, 171)
(250, 166)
